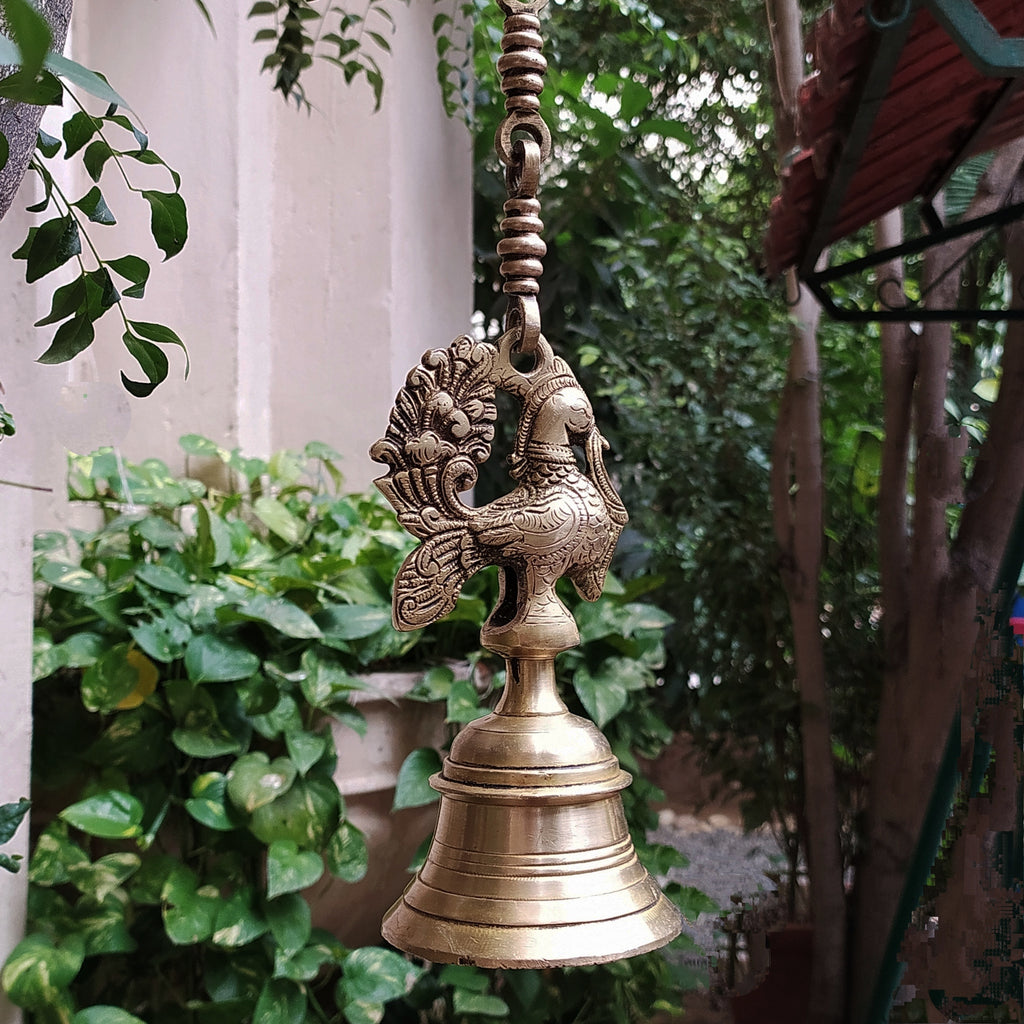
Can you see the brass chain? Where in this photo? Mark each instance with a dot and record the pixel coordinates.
(521, 142)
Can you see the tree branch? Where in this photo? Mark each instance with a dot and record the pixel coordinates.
(20, 121)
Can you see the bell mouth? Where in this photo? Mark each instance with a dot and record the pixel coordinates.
(569, 944)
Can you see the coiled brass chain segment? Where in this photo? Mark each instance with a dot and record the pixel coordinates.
(522, 247)
(522, 142)
(522, 66)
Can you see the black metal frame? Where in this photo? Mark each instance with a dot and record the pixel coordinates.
(818, 281)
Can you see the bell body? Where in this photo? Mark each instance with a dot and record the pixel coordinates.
(531, 864)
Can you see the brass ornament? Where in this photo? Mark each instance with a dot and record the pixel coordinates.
(531, 864)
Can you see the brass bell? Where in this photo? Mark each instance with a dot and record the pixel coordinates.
(531, 864)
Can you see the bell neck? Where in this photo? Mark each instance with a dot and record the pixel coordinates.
(530, 689)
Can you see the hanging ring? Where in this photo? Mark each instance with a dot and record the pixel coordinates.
(522, 174)
(517, 380)
(523, 315)
(526, 121)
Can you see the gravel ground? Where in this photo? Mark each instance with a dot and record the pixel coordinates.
(724, 861)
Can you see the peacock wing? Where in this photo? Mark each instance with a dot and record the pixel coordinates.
(530, 522)
(439, 432)
(428, 584)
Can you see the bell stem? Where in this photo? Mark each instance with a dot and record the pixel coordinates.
(530, 689)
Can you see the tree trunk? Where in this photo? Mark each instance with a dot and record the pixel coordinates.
(20, 121)
(797, 500)
(931, 594)
(797, 511)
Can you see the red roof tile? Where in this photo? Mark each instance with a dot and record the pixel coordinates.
(936, 100)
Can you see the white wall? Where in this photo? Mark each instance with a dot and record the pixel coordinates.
(17, 464)
(327, 251)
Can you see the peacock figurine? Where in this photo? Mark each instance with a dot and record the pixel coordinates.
(559, 520)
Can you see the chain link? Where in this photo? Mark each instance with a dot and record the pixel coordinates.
(521, 142)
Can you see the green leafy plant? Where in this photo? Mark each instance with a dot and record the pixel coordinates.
(41, 78)
(101, 284)
(190, 652)
(354, 40)
(301, 32)
(11, 816)
(455, 26)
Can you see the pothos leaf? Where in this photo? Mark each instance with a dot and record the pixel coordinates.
(347, 856)
(104, 1015)
(373, 976)
(280, 1002)
(413, 787)
(109, 815)
(290, 869)
(38, 969)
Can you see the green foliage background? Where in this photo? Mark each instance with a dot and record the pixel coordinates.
(190, 653)
(654, 202)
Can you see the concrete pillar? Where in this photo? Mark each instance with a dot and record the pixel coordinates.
(327, 251)
(17, 467)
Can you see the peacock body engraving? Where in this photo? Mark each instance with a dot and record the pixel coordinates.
(559, 520)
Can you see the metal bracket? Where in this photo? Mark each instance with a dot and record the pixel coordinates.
(890, 311)
(992, 54)
(865, 107)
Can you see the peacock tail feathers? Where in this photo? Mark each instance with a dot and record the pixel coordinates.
(432, 576)
(439, 432)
